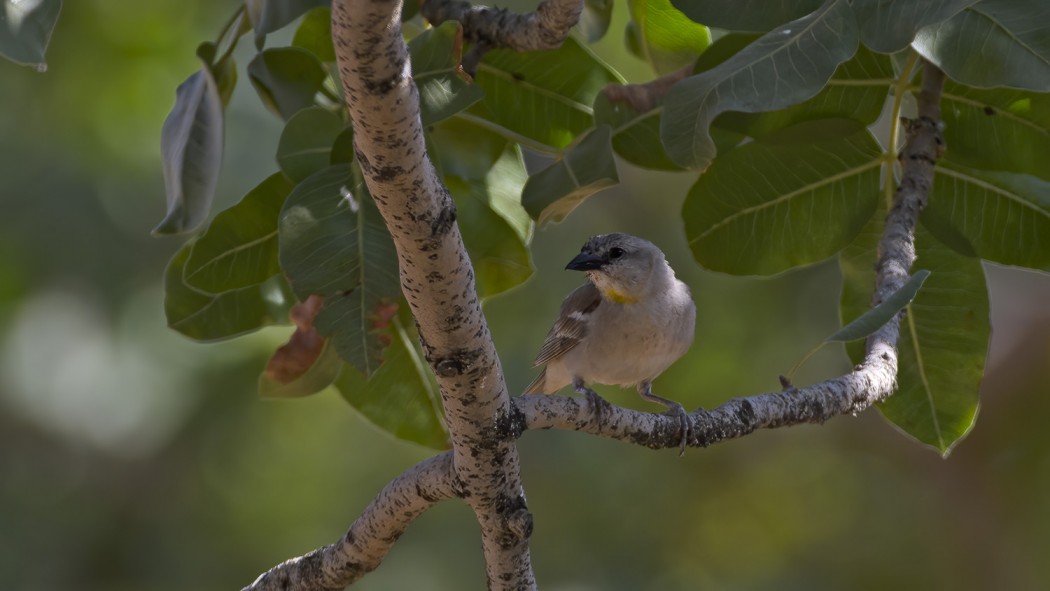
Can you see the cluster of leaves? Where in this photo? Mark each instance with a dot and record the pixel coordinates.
(777, 116)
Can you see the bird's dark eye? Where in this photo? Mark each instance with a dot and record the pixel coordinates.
(615, 253)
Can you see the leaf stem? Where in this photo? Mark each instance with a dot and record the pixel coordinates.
(900, 86)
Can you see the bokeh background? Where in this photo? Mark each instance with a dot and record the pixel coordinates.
(131, 458)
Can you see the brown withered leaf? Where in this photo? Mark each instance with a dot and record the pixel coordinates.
(295, 357)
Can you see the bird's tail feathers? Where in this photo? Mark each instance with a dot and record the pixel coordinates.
(537, 385)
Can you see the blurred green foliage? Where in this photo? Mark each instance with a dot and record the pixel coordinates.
(132, 459)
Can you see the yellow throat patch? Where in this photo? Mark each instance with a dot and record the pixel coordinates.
(618, 297)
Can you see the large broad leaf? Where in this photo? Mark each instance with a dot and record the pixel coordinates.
(595, 19)
(191, 150)
(666, 38)
(552, 193)
(806, 202)
(333, 243)
(306, 142)
(993, 43)
(401, 397)
(543, 96)
(997, 129)
(943, 340)
(239, 248)
(1001, 217)
(268, 16)
(856, 91)
(25, 30)
(315, 34)
(786, 66)
(286, 79)
(444, 89)
(888, 26)
(213, 317)
(756, 16)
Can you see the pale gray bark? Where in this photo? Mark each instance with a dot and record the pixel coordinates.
(437, 279)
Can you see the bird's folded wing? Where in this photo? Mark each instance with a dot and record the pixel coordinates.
(571, 325)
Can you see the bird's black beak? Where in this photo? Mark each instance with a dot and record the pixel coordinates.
(585, 262)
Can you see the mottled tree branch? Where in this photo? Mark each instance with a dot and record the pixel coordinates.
(544, 28)
(647, 95)
(371, 536)
(437, 279)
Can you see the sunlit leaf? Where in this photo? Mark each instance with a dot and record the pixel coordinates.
(315, 34)
(443, 87)
(286, 79)
(306, 142)
(993, 43)
(239, 248)
(997, 216)
(755, 16)
(552, 193)
(333, 243)
(191, 152)
(545, 96)
(786, 66)
(888, 26)
(401, 397)
(998, 129)
(25, 30)
(943, 339)
(667, 39)
(806, 202)
(214, 317)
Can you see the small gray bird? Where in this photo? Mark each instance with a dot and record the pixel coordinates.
(625, 326)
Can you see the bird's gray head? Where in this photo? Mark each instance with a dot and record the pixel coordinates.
(622, 266)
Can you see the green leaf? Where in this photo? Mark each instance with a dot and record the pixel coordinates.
(943, 339)
(319, 376)
(268, 16)
(343, 147)
(25, 30)
(470, 153)
(306, 142)
(999, 129)
(805, 202)
(875, 318)
(1001, 217)
(552, 193)
(595, 19)
(401, 397)
(286, 79)
(333, 243)
(993, 43)
(667, 38)
(444, 89)
(239, 248)
(889, 26)
(191, 152)
(215, 317)
(786, 66)
(857, 90)
(315, 34)
(543, 96)
(755, 16)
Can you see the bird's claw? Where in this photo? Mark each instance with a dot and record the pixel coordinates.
(596, 403)
(683, 419)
